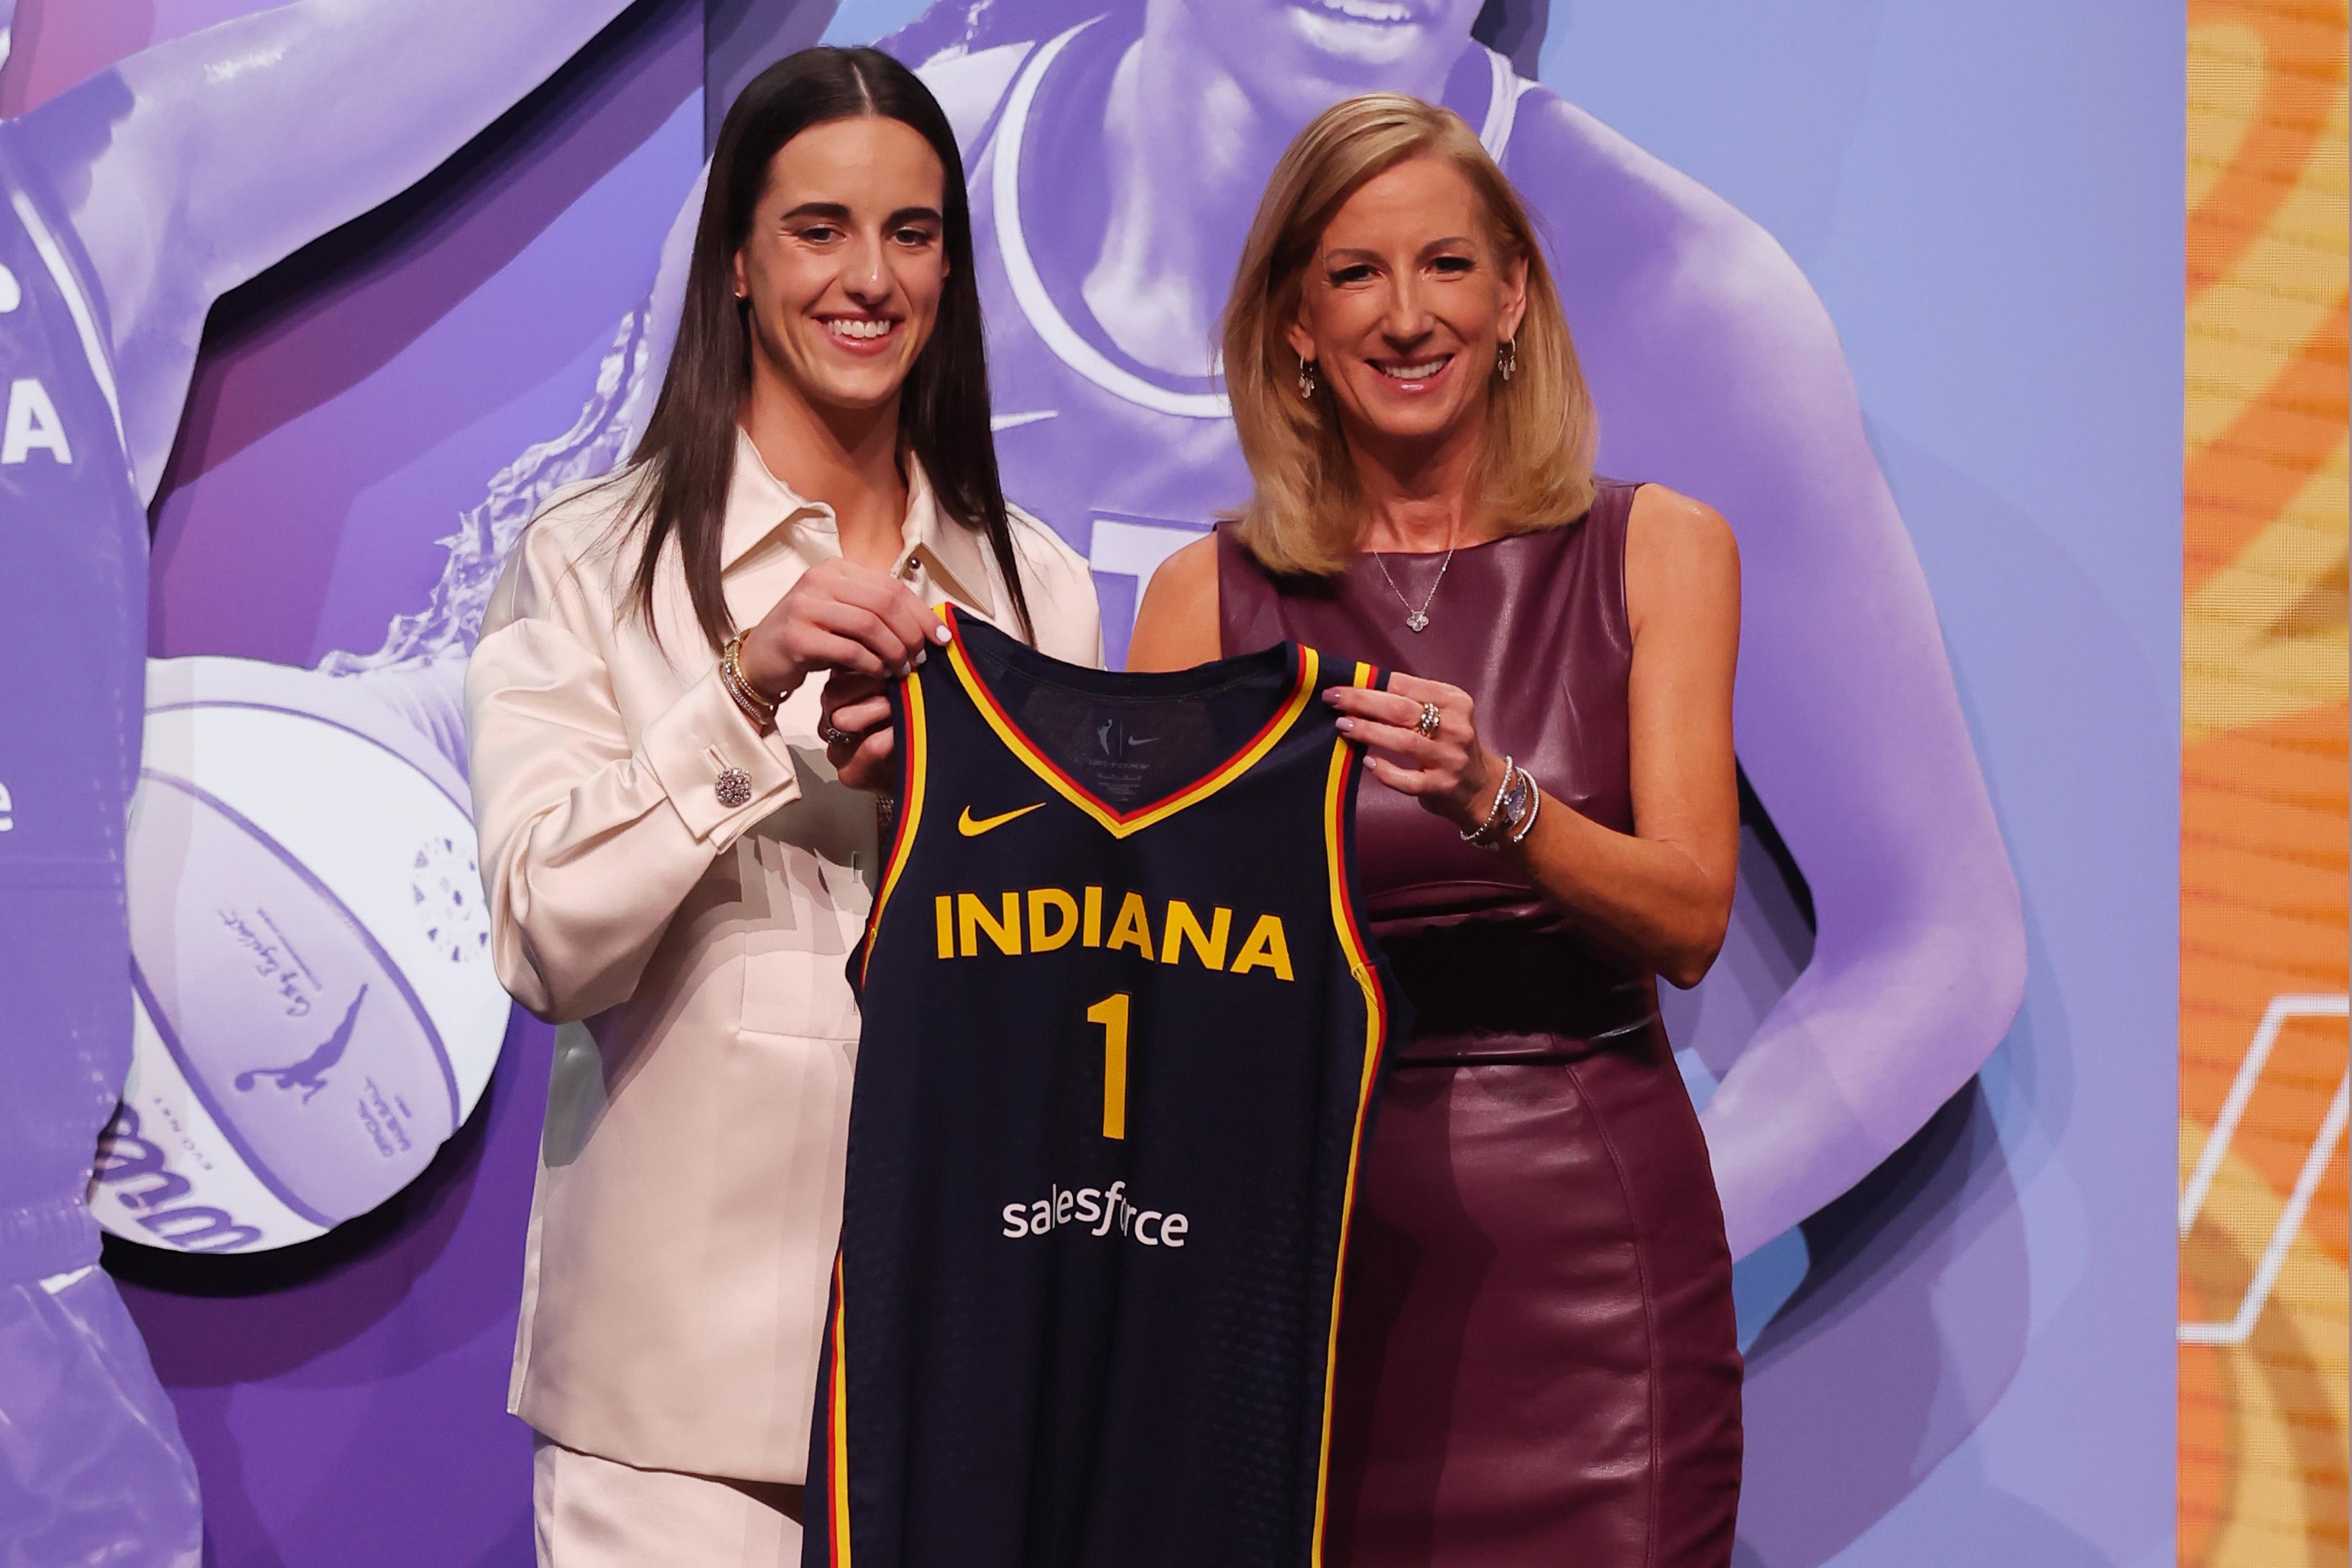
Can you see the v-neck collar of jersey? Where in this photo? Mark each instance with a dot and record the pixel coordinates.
(1304, 667)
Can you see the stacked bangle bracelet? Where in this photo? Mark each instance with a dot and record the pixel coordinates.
(1516, 801)
(1478, 834)
(756, 708)
(1535, 804)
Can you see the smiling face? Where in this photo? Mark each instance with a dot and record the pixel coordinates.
(1405, 303)
(846, 261)
(1300, 55)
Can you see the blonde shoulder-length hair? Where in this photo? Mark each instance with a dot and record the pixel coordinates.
(1305, 513)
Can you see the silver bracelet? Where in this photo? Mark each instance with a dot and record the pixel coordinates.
(1479, 832)
(1535, 809)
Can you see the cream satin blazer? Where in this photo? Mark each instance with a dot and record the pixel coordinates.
(688, 1198)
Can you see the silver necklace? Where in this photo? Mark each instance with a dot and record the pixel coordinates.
(1416, 620)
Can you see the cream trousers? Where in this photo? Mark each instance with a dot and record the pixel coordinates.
(589, 1512)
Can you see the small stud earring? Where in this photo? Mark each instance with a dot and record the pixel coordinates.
(1307, 381)
(1506, 358)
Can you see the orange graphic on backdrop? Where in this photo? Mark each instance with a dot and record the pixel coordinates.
(2263, 852)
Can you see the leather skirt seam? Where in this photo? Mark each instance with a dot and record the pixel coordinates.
(1651, 1527)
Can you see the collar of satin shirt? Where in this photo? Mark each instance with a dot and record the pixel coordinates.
(764, 515)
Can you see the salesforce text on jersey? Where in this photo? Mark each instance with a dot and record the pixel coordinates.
(1098, 1212)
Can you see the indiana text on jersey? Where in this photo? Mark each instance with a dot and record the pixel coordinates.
(1055, 916)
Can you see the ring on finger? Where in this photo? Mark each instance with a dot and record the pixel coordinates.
(1426, 725)
(832, 734)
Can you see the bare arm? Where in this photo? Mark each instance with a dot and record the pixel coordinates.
(1176, 624)
(1663, 892)
(194, 165)
(1660, 894)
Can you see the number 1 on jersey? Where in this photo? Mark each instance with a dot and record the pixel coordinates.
(1111, 1014)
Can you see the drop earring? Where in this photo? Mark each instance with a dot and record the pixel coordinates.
(1506, 358)
(1307, 381)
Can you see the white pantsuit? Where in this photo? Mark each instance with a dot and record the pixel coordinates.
(685, 891)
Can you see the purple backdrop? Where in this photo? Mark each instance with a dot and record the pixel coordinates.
(1936, 1355)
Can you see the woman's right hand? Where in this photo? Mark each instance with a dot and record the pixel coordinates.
(839, 616)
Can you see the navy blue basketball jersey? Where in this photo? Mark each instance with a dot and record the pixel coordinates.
(1122, 1030)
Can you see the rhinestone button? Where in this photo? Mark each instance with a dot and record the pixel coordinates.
(734, 788)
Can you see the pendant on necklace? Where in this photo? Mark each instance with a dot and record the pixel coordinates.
(1416, 621)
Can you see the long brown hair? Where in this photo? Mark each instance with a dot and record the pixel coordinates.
(1305, 509)
(685, 463)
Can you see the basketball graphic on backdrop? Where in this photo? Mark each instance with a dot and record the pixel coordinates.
(316, 1008)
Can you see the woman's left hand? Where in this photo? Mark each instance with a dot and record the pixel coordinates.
(1447, 769)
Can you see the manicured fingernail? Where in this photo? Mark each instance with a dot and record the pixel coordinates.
(1330, 693)
(1346, 724)
(908, 668)
(921, 654)
(941, 633)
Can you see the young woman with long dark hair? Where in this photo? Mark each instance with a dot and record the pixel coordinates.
(668, 855)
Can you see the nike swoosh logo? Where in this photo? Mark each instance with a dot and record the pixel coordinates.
(972, 828)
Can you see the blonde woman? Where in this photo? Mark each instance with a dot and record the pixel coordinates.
(1538, 1360)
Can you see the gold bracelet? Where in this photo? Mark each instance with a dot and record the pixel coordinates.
(756, 708)
(733, 656)
(730, 675)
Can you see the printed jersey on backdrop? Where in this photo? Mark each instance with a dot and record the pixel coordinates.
(1121, 1037)
(73, 547)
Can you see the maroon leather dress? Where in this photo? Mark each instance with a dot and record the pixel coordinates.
(1538, 1360)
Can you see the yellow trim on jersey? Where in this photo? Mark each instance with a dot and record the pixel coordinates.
(1117, 823)
(916, 740)
(1360, 965)
(837, 1456)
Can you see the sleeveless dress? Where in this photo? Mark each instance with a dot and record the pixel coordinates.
(1538, 1360)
